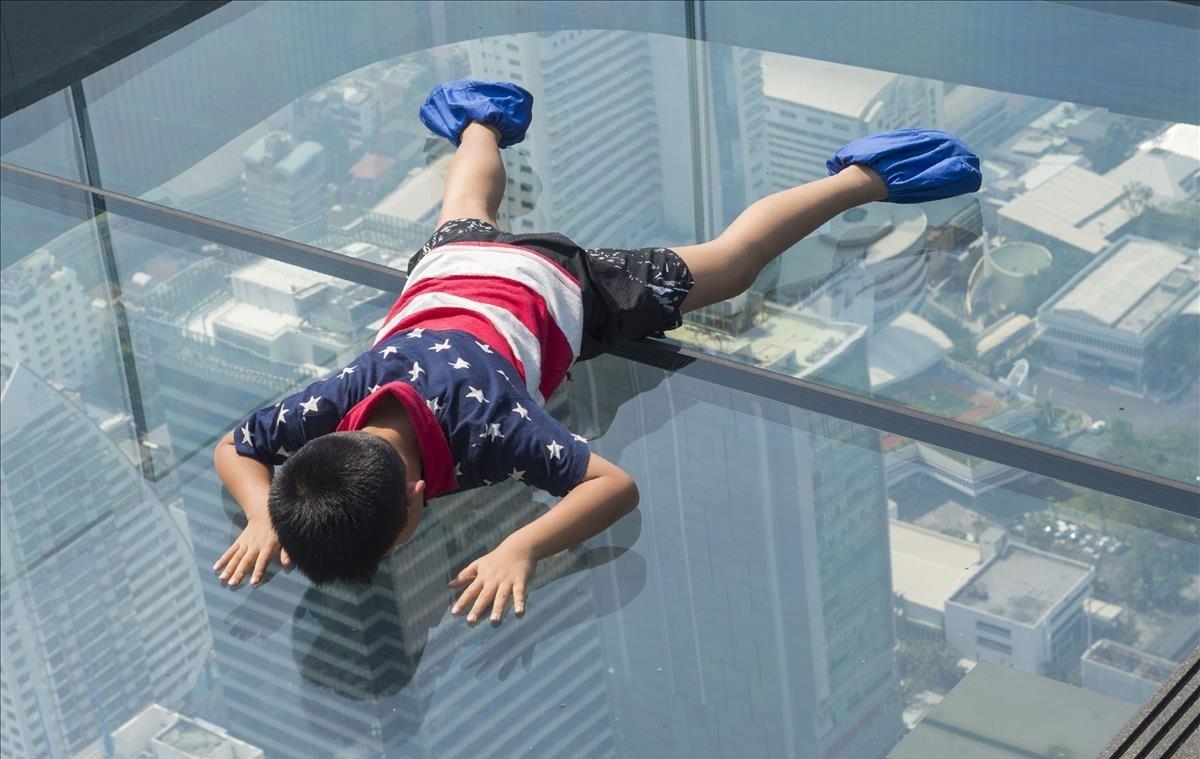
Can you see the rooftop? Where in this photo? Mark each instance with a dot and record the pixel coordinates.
(905, 347)
(927, 566)
(997, 712)
(192, 739)
(1114, 655)
(418, 194)
(876, 232)
(1182, 139)
(1167, 174)
(1022, 584)
(821, 85)
(1076, 206)
(788, 341)
(249, 320)
(372, 166)
(276, 275)
(1132, 287)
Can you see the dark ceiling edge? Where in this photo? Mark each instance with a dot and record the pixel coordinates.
(101, 57)
(47, 191)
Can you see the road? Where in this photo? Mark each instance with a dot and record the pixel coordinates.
(1100, 402)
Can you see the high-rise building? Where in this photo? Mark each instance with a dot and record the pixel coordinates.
(814, 107)
(609, 132)
(100, 603)
(47, 321)
(776, 599)
(283, 186)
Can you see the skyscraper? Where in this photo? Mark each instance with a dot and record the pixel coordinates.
(101, 607)
(767, 629)
(41, 297)
(814, 107)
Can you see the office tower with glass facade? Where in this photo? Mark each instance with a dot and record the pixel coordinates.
(102, 611)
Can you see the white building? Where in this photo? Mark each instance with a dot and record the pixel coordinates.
(928, 568)
(288, 314)
(814, 107)
(101, 601)
(283, 186)
(47, 323)
(159, 733)
(1122, 671)
(1104, 321)
(1024, 608)
(1069, 209)
(867, 265)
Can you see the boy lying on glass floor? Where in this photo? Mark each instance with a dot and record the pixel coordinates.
(449, 397)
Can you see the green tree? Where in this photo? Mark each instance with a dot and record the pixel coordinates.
(927, 665)
(1153, 572)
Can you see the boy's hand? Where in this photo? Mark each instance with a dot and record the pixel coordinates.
(492, 579)
(253, 549)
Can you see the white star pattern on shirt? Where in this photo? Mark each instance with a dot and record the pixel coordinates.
(247, 438)
(389, 351)
(282, 413)
(460, 364)
(433, 404)
(347, 370)
(580, 438)
(517, 474)
(418, 332)
(373, 389)
(521, 410)
(502, 374)
(415, 372)
(483, 347)
(555, 449)
(492, 431)
(439, 347)
(477, 394)
(310, 405)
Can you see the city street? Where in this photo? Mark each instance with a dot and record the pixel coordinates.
(1101, 402)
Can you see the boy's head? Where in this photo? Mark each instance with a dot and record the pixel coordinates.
(340, 504)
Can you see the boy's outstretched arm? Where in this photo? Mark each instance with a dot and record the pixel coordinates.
(605, 495)
(249, 481)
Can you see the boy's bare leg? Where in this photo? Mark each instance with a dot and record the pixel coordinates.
(728, 265)
(475, 182)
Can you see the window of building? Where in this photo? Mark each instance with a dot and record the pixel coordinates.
(993, 645)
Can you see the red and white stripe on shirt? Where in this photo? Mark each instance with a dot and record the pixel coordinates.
(525, 306)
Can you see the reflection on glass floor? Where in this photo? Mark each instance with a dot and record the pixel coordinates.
(792, 585)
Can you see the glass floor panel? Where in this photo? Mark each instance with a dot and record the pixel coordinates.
(791, 585)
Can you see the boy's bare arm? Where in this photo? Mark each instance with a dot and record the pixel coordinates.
(250, 482)
(606, 494)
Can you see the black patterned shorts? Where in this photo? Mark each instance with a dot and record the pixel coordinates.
(627, 293)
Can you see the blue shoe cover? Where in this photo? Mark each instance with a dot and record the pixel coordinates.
(916, 164)
(453, 105)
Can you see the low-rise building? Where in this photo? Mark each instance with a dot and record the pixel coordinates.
(1024, 608)
(1073, 209)
(1104, 320)
(159, 733)
(1122, 671)
(928, 567)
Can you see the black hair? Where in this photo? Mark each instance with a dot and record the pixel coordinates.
(338, 504)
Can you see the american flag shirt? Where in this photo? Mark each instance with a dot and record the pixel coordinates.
(481, 335)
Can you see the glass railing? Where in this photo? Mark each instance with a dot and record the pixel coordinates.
(793, 584)
(1058, 304)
